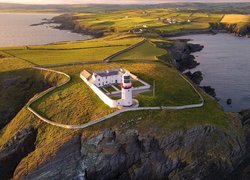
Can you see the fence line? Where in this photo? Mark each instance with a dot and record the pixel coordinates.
(109, 58)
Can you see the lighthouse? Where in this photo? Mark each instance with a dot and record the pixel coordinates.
(126, 90)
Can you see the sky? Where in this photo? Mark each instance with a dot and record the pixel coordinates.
(111, 1)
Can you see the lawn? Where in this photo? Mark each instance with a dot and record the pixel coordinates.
(110, 89)
(146, 51)
(137, 84)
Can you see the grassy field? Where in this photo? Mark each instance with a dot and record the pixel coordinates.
(236, 18)
(124, 21)
(91, 50)
(12, 64)
(78, 104)
(146, 51)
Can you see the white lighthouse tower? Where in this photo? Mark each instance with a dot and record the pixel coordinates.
(127, 97)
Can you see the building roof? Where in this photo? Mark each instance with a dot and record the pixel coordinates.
(111, 72)
(86, 74)
(108, 73)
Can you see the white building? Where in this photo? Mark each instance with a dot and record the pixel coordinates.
(99, 79)
(102, 78)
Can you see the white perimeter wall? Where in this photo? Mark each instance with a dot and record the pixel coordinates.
(107, 100)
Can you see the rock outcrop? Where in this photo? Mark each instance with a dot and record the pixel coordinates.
(203, 152)
(197, 153)
(209, 90)
(181, 51)
(68, 22)
(15, 150)
(238, 30)
(242, 172)
(196, 77)
(62, 166)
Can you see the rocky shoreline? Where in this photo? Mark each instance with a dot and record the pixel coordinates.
(68, 22)
(231, 28)
(184, 60)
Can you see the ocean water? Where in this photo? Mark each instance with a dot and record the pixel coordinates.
(15, 30)
(225, 64)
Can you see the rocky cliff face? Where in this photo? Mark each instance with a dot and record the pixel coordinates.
(181, 52)
(16, 89)
(231, 28)
(15, 150)
(195, 154)
(203, 152)
(243, 171)
(68, 22)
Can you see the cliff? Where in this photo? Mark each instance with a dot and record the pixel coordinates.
(69, 22)
(237, 29)
(181, 51)
(15, 150)
(202, 152)
(17, 87)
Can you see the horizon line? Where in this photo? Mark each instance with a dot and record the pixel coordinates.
(169, 2)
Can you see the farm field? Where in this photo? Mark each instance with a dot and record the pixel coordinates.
(236, 18)
(153, 19)
(146, 51)
(92, 50)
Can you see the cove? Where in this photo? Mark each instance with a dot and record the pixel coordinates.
(225, 65)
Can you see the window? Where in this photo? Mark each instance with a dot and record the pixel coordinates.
(126, 80)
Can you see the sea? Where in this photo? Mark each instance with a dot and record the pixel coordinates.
(16, 30)
(225, 65)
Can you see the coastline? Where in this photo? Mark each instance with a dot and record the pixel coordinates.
(232, 96)
(67, 22)
(28, 12)
(47, 33)
(182, 52)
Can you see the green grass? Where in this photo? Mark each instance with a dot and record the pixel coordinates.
(73, 103)
(146, 51)
(124, 21)
(92, 50)
(78, 104)
(110, 89)
(118, 86)
(13, 64)
(137, 84)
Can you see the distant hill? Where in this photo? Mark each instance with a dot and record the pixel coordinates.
(207, 7)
